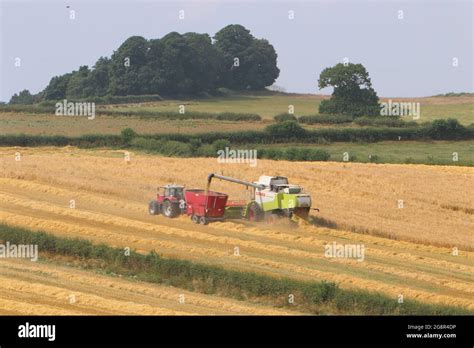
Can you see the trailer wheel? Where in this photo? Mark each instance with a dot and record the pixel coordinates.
(203, 220)
(153, 208)
(254, 212)
(170, 210)
(195, 219)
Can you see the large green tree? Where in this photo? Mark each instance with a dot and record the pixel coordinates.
(204, 63)
(126, 65)
(99, 77)
(56, 88)
(353, 92)
(248, 63)
(79, 85)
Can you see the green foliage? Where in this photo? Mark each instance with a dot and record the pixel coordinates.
(127, 135)
(127, 64)
(353, 93)
(230, 116)
(176, 148)
(446, 129)
(325, 119)
(57, 87)
(24, 97)
(79, 85)
(170, 115)
(294, 154)
(220, 144)
(257, 59)
(175, 65)
(284, 117)
(392, 121)
(49, 107)
(285, 130)
(147, 144)
(205, 150)
(373, 158)
(213, 279)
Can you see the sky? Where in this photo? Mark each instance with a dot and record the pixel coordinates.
(410, 48)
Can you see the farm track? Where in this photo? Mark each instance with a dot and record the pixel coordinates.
(37, 288)
(111, 209)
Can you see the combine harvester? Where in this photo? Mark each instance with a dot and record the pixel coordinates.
(271, 197)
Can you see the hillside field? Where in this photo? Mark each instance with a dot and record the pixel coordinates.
(267, 106)
(408, 250)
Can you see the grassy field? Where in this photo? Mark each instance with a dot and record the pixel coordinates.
(266, 106)
(434, 152)
(43, 124)
(461, 108)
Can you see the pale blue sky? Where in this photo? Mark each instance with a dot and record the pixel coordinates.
(405, 57)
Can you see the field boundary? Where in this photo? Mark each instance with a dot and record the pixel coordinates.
(314, 297)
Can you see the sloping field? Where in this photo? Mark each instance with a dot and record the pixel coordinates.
(111, 198)
(30, 288)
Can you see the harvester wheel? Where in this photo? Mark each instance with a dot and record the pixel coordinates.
(254, 212)
(203, 220)
(195, 219)
(153, 208)
(170, 210)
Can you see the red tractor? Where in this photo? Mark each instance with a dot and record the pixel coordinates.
(170, 201)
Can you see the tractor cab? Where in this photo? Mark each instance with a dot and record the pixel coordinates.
(171, 191)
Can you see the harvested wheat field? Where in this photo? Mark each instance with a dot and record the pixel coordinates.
(31, 288)
(111, 199)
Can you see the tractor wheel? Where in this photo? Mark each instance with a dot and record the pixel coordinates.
(254, 212)
(170, 210)
(153, 208)
(203, 220)
(195, 219)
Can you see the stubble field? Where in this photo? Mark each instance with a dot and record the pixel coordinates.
(408, 250)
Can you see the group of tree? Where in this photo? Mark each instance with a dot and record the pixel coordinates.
(177, 64)
(192, 64)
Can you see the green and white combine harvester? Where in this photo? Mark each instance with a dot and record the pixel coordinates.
(271, 197)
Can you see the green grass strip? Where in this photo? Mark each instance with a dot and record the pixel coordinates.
(317, 297)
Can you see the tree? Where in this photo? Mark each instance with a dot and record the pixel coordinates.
(353, 93)
(24, 97)
(204, 63)
(261, 64)
(56, 88)
(174, 65)
(126, 63)
(248, 63)
(79, 85)
(99, 77)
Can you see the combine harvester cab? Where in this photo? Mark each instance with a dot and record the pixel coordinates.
(272, 197)
(204, 206)
(280, 198)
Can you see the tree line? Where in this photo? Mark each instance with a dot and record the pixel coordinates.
(175, 65)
